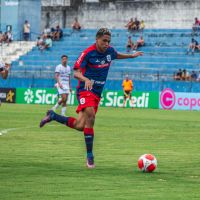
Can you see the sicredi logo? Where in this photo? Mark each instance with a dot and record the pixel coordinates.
(167, 99)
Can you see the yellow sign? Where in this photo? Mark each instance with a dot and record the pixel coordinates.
(10, 96)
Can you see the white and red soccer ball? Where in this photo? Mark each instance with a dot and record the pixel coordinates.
(147, 163)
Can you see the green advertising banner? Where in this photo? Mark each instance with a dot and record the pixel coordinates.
(109, 98)
(41, 96)
(139, 99)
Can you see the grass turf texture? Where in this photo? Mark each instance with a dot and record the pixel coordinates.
(49, 163)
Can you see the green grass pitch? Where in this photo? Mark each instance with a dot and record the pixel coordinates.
(49, 163)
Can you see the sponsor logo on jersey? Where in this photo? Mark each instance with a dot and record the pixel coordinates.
(108, 58)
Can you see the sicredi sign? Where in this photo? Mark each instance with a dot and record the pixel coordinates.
(170, 100)
(40, 96)
(109, 98)
(139, 99)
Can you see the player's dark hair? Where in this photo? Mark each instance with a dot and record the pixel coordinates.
(103, 31)
(64, 56)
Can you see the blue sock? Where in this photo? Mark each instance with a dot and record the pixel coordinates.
(89, 137)
(69, 121)
(59, 118)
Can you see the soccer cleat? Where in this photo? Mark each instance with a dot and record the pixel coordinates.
(90, 162)
(47, 118)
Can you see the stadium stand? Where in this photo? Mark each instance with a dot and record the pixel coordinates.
(164, 53)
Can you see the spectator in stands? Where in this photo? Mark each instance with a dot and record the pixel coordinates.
(142, 25)
(185, 75)
(193, 46)
(130, 25)
(4, 69)
(52, 32)
(193, 76)
(58, 33)
(178, 75)
(76, 25)
(196, 25)
(140, 42)
(130, 45)
(9, 37)
(127, 88)
(40, 42)
(27, 30)
(47, 43)
(198, 78)
(137, 24)
(47, 31)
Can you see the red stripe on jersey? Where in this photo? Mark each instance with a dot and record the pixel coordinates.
(99, 66)
(77, 64)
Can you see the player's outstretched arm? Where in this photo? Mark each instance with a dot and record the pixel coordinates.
(134, 55)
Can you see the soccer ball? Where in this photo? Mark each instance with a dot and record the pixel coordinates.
(147, 163)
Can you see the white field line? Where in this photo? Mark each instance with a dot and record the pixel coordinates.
(5, 131)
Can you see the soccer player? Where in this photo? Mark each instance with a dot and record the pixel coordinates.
(91, 70)
(62, 76)
(4, 69)
(127, 88)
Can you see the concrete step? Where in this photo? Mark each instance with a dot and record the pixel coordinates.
(15, 50)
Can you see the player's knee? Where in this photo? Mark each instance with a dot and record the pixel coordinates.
(91, 119)
(64, 99)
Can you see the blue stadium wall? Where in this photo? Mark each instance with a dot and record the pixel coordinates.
(15, 12)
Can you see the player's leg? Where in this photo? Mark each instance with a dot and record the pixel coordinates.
(131, 100)
(89, 113)
(71, 122)
(56, 106)
(52, 116)
(125, 97)
(64, 103)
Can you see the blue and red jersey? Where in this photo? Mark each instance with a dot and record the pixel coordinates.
(95, 66)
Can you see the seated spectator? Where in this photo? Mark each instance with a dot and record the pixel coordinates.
(130, 25)
(4, 69)
(137, 24)
(58, 33)
(178, 75)
(47, 43)
(193, 76)
(76, 25)
(130, 45)
(196, 24)
(40, 42)
(185, 75)
(142, 25)
(140, 42)
(193, 46)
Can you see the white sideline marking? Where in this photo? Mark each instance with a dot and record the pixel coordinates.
(5, 131)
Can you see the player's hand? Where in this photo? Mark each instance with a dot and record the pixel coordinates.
(88, 84)
(60, 85)
(137, 53)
